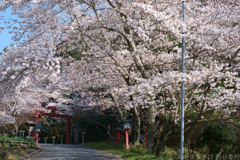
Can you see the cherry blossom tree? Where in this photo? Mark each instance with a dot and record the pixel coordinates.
(14, 113)
(131, 56)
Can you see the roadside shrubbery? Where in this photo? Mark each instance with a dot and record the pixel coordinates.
(141, 148)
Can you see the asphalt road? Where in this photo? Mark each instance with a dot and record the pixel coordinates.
(73, 152)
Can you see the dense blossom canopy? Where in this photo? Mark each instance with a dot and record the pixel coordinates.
(130, 55)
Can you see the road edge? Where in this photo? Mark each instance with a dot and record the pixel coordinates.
(31, 154)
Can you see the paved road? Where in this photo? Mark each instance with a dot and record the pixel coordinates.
(72, 152)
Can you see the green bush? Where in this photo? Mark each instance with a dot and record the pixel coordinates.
(141, 148)
(215, 135)
(4, 144)
(165, 156)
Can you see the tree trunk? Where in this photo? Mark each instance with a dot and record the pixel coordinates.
(189, 148)
(150, 128)
(116, 116)
(118, 108)
(137, 122)
(193, 148)
(4, 130)
(150, 131)
(160, 147)
(137, 131)
(16, 129)
(16, 132)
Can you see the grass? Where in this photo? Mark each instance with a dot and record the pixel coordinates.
(32, 143)
(14, 153)
(135, 152)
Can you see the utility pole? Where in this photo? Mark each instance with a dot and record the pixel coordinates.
(182, 87)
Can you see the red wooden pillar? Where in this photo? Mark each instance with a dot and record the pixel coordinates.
(118, 137)
(36, 138)
(68, 120)
(146, 141)
(36, 118)
(127, 146)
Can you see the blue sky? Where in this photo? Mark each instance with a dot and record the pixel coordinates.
(5, 37)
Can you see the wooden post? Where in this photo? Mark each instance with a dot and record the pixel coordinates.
(76, 135)
(36, 138)
(68, 120)
(36, 118)
(61, 140)
(127, 146)
(118, 137)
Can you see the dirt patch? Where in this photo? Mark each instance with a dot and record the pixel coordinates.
(14, 153)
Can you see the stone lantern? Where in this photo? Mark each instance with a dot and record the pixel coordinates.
(127, 124)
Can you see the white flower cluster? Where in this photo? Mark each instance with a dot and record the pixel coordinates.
(132, 51)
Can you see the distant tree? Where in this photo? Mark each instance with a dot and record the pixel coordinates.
(16, 111)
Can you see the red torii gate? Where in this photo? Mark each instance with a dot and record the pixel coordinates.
(53, 114)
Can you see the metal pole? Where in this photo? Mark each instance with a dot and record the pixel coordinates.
(182, 87)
